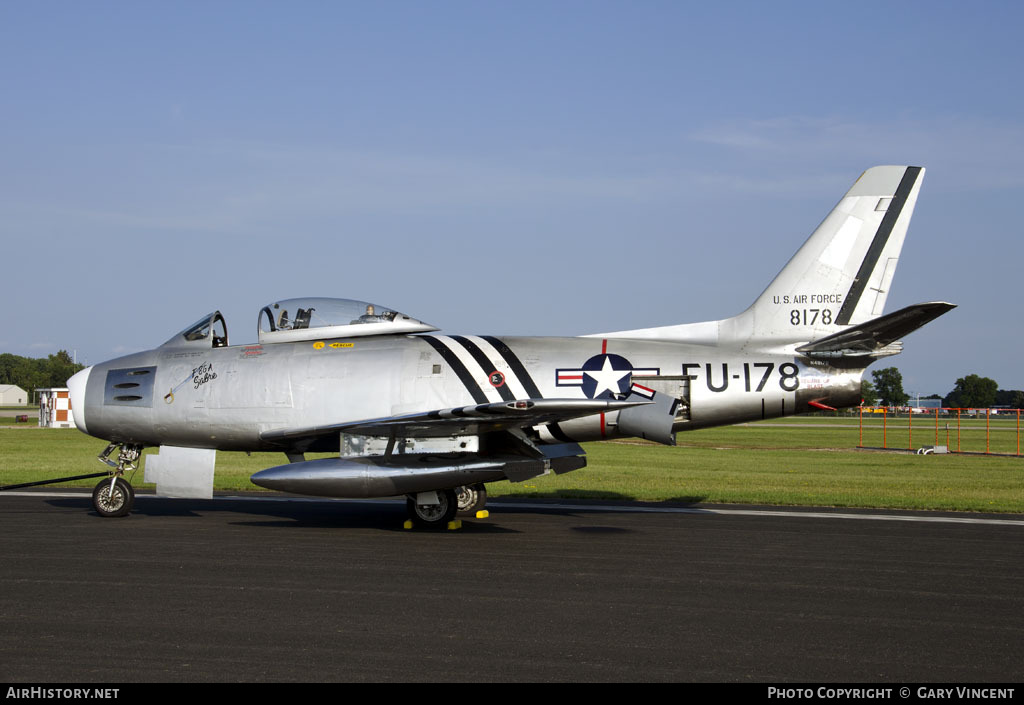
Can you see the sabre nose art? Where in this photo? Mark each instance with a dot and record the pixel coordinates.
(76, 385)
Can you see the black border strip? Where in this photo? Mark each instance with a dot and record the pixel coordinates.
(485, 364)
(878, 244)
(456, 364)
(517, 367)
(519, 370)
(555, 430)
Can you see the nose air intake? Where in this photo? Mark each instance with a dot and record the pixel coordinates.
(77, 385)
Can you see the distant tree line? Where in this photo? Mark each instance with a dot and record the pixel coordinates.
(972, 391)
(35, 373)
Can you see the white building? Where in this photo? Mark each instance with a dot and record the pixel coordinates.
(55, 408)
(12, 395)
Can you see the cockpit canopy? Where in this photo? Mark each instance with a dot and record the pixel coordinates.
(209, 331)
(295, 320)
(318, 318)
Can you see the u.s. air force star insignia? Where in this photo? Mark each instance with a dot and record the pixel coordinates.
(604, 376)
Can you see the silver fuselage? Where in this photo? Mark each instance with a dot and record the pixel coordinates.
(225, 397)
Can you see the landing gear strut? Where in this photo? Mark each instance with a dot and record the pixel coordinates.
(114, 497)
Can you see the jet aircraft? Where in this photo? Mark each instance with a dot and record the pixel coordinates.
(405, 410)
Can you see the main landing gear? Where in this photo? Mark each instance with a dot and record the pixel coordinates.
(471, 499)
(438, 509)
(114, 496)
(432, 510)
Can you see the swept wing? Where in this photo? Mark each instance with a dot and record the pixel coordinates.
(458, 421)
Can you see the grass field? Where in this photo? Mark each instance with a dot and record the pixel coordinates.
(801, 461)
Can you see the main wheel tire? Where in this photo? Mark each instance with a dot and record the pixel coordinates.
(433, 516)
(116, 503)
(471, 499)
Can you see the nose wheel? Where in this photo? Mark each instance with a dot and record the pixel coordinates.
(113, 497)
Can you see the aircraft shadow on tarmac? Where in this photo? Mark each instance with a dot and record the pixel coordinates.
(601, 496)
(380, 515)
(387, 515)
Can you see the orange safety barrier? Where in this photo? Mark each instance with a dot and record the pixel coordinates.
(1000, 428)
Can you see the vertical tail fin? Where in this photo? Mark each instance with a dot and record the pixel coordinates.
(842, 274)
(840, 277)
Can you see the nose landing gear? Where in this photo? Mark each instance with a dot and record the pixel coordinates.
(114, 497)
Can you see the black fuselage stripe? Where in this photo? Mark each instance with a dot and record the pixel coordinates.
(485, 364)
(516, 366)
(460, 370)
(526, 380)
(555, 430)
(878, 244)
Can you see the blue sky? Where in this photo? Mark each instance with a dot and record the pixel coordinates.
(550, 168)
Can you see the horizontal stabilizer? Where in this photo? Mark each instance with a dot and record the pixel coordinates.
(874, 337)
(460, 421)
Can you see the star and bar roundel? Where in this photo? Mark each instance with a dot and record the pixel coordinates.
(604, 376)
